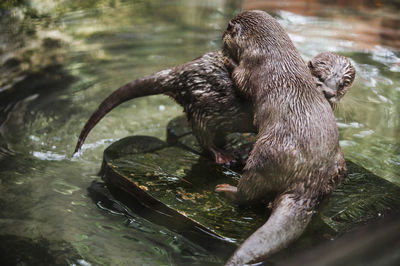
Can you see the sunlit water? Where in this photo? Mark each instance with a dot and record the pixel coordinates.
(59, 61)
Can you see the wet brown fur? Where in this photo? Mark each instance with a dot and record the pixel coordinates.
(333, 74)
(296, 155)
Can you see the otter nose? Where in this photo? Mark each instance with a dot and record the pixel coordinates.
(329, 94)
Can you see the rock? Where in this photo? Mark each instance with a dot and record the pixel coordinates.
(172, 183)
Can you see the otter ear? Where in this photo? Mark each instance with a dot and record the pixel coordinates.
(310, 65)
(231, 26)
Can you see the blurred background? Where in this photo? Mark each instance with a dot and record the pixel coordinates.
(60, 59)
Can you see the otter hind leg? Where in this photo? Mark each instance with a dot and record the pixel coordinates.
(208, 136)
(251, 189)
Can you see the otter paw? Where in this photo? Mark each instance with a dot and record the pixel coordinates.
(225, 188)
(229, 190)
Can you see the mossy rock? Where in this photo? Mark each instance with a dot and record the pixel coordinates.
(176, 181)
(178, 185)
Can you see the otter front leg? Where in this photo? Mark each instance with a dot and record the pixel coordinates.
(229, 64)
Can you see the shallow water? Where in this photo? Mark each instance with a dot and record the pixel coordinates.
(59, 61)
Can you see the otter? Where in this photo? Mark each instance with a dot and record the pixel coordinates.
(333, 74)
(296, 158)
(205, 90)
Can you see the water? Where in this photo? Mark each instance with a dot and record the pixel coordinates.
(60, 59)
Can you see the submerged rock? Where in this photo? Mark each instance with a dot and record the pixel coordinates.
(173, 183)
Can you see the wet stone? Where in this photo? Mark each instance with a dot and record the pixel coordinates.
(177, 180)
(362, 197)
(184, 181)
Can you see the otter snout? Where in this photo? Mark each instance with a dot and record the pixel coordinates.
(329, 93)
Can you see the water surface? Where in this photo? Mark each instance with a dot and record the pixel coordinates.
(60, 59)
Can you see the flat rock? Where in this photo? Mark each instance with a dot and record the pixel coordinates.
(176, 182)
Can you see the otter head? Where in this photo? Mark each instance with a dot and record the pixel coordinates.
(333, 74)
(252, 32)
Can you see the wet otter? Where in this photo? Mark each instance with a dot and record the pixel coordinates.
(204, 88)
(334, 74)
(296, 156)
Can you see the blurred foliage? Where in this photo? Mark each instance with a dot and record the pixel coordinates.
(11, 3)
(25, 42)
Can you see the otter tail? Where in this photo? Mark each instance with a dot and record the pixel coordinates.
(288, 220)
(148, 85)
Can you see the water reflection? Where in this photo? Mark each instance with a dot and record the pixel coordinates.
(364, 23)
(59, 60)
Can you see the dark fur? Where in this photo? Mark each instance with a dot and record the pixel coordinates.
(205, 90)
(297, 155)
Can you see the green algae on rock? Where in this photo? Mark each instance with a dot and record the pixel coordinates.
(177, 182)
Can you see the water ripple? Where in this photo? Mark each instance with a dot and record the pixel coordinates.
(48, 156)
